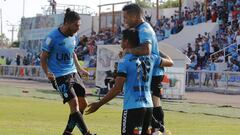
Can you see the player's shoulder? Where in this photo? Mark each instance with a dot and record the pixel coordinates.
(127, 59)
(53, 33)
(145, 28)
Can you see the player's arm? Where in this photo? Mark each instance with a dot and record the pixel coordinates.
(110, 95)
(43, 59)
(79, 68)
(144, 49)
(166, 61)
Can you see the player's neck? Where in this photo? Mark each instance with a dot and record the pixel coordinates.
(139, 21)
(64, 30)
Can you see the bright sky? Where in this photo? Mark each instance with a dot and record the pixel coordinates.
(12, 10)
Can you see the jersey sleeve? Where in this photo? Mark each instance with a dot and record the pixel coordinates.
(145, 36)
(122, 69)
(157, 60)
(47, 44)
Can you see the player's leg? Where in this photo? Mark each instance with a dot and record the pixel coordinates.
(75, 118)
(132, 121)
(158, 115)
(146, 129)
(69, 96)
(80, 91)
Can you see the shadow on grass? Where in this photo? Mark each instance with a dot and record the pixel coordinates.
(47, 91)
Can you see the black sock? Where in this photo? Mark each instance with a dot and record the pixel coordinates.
(77, 117)
(67, 133)
(158, 114)
(71, 124)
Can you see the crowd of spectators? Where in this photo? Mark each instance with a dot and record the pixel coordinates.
(228, 37)
(28, 60)
(226, 14)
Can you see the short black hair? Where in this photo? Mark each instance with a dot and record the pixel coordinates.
(71, 16)
(133, 9)
(132, 36)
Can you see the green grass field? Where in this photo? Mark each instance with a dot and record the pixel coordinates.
(41, 112)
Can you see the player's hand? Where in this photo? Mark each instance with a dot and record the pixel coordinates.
(50, 76)
(85, 72)
(93, 107)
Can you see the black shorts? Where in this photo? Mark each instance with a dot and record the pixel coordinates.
(156, 85)
(136, 121)
(69, 86)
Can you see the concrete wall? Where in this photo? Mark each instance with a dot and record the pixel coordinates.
(189, 33)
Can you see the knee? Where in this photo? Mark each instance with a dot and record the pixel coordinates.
(82, 102)
(73, 103)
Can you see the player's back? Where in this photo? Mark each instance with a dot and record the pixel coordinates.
(138, 72)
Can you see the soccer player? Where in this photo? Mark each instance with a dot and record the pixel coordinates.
(134, 75)
(133, 18)
(60, 64)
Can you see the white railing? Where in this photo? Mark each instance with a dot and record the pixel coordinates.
(61, 8)
(22, 72)
(226, 82)
(36, 73)
(224, 51)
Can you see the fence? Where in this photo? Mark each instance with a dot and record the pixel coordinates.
(195, 80)
(225, 51)
(22, 72)
(220, 82)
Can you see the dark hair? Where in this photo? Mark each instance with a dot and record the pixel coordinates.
(133, 9)
(71, 16)
(132, 36)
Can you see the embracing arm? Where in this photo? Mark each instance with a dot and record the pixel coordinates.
(144, 49)
(166, 60)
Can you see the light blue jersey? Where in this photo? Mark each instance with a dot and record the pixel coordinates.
(137, 71)
(61, 50)
(147, 34)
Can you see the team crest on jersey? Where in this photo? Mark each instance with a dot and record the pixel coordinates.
(48, 41)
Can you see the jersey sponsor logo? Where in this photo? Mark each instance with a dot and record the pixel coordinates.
(141, 88)
(63, 56)
(142, 99)
(48, 41)
(124, 121)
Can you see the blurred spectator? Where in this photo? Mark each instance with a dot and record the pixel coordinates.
(18, 60)
(53, 4)
(2, 60)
